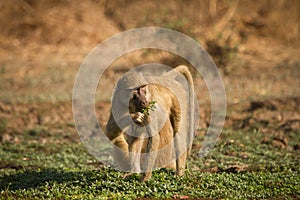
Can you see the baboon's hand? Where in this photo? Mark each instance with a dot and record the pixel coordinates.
(141, 119)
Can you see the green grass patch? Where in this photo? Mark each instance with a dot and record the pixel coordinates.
(239, 167)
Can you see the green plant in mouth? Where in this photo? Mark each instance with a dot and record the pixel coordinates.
(151, 106)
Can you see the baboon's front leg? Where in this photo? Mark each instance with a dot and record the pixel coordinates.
(120, 153)
(152, 148)
(116, 136)
(135, 149)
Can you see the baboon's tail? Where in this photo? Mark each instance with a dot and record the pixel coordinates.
(182, 69)
(187, 74)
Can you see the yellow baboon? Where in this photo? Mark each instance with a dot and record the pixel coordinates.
(167, 147)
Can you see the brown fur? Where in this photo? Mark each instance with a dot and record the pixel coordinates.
(135, 144)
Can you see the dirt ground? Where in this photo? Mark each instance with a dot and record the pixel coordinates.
(255, 45)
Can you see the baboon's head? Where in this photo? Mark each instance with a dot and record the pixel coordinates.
(138, 99)
(134, 84)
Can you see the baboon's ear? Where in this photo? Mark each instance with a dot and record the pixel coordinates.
(143, 88)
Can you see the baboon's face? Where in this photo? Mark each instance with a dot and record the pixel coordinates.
(138, 99)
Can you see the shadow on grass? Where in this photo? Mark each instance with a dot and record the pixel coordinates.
(32, 179)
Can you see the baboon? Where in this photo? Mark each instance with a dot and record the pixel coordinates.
(167, 145)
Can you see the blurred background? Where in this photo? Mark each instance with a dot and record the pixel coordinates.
(255, 45)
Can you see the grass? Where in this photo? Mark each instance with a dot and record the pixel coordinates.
(30, 87)
(3, 124)
(239, 167)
